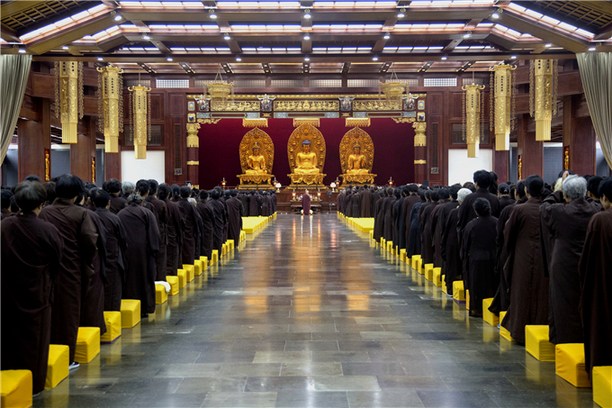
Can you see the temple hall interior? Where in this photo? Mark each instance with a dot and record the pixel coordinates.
(403, 203)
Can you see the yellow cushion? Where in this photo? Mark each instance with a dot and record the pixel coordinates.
(174, 284)
(503, 332)
(224, 248)
(190, 272)
(16, 388)
(537, 344)
(429, 271)
(487, 316)
(458, 291)
(231, 244)
(389, 246)
(569, 364)
(602, 386)
(413, 259)
(182, 277)
(113, 326)
(419, 266)
(87, 344)
(161, 296)
(214, 258)
(130, 313)
(467, 299)
(437, 276)
(444, 289)
(204, 260)
(57, 365)
(197, 267)
(402, 254)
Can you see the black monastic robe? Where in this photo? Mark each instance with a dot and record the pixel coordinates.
(116, 252)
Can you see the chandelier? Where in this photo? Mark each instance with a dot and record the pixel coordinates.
(393, 88)
(219, 89)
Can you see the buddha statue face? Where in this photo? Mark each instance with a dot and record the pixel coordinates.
(357, 149)
(256, 150)
(306, 147)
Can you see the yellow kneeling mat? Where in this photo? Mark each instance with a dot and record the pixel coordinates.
(204, 260)
(602, 386)
(87, 344)
(161, 296)
(444, 288)
(458, 291)
(230, 244)
(437, 276)
(214, 258)
(197, 267)
(130, 313)
(503, 332)
(414, 259)
(487, 316)
(569, 364)
(182, 277)
(174, 284)
(429, 271)
(467, 299)
(113, 326)
(190, 272)
(537, 343)
(16, 388)
(58, 365)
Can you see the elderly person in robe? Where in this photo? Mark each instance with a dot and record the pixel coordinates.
(31, 252)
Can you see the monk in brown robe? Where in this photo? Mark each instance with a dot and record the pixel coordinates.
(143, 243)
(524, 268)
(31, 251)
(206, 214)
(161, 215)
(79, 236)
(306, 203)
(234, 216)
(190, 229)
(174, 230)
(596, 279)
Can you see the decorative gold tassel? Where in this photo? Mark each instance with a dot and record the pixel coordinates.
(69, 99)
(140, 126)
(192, 135)
(541, 94)
(111, 115)
(357, 122)
(419, 138)
(503, 105)
(472, 118)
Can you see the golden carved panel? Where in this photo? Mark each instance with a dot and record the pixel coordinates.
(234, 106)
(352, 138)
(317, 144)
(265, 144)
(377, 105)
(306, 106)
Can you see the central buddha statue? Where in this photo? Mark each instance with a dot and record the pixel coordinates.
(357, 157)
(357, 162)
(306, 160)
(256, 161)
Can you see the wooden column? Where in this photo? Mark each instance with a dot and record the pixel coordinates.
(83, 152)
(112, 165)
(33, 138)
(531, 152)
(501, 165)
(579, 138)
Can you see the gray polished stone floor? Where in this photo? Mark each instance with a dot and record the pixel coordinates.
(309, 315)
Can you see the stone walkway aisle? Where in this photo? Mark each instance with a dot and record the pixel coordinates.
(308, 315)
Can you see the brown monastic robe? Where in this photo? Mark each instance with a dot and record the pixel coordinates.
(174, 231)
(31, 251)
(116, 252)
(161, 215)
(234, 215)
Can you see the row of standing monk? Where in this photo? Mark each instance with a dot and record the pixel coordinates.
(543, 255)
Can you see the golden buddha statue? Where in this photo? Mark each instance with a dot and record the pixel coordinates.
(306, 160)
(256, 161)
(357, 157)
(357, 162)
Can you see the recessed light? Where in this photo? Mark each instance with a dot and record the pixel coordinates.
(467, 35)
(306, 59)
(212, 15)
(495, 15)
(227, 37)
(306, 37)
(21, 50)
(307, 14)
(375, 58)
(118, 17)
(146, 37)
(387, 36)
(100, 59)
(444, 58)
(513, 57)
(402, 13)
(547, 45)
(238, 59)
(169, 59)
(592, 48)
(65, 47)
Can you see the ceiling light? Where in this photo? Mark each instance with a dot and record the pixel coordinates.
(467, 35)
(146, 37)
(100, 59)
(169, 59)
(306, 37)
(402, 13)
(212, 15)
(307, 14)
(444, 58)
(64, 47)
(495, 15)
(387, 36)
(375, 58)
(21, 50)
(227, 37)
(238, 59)
(118, 17)
(306, 59)
(547, 45)
(513, 57)
(592, 48)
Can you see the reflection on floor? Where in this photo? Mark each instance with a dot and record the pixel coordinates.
(308, 315)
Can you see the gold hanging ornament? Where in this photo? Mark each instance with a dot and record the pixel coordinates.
(420, 139)
(69, 98)
(471, 119)
(110, 106)
(393, 89)
(219, 89)
(140, 119)
(542, 96)
(502, 105)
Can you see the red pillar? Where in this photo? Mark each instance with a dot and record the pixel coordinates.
(34, 141)
(578, 138)
(501, 165)
(531, 152)
(83, 153)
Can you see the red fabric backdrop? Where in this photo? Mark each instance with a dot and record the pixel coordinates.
(393, 150)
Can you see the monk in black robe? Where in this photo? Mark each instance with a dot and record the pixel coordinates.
(234, 216)
(174, 228)
(524, 268)
(254, 205)
(397, 213)
(161, 215)
(31, 251)
(219, 218)
(143, 243)
(425, 220)
(478, 254)
(190, 227)
(306, 201)
(116, 250)
(566, 226)
(113, 187)
(503, 195)
(438, 222)
(379, 198)
(414, 233)
(388, 226)
(365, 211)
(206, 214)
(596, 278)
(412, 197)
(483, 180)
(79, 237)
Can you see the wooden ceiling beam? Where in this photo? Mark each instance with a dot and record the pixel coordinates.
(8, 35)
(11, 8)
(604, 33)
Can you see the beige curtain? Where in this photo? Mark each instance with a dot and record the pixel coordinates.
(596, 74)
(14, 72)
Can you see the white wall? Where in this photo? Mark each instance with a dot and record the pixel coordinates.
(461, 168)
(153, 167)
